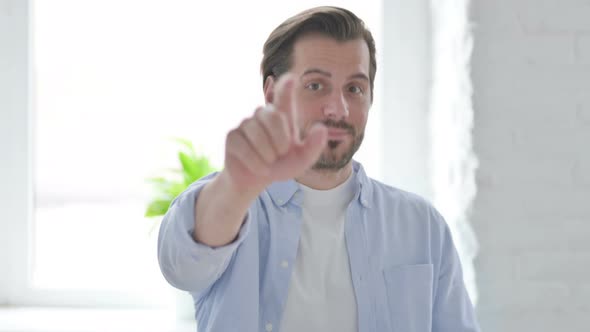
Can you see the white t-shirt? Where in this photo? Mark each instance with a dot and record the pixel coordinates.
(321, 296)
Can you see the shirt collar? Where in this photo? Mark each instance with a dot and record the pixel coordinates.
(283, 192)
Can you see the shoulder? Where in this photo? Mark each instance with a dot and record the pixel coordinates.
(406, 205)
(393, 194)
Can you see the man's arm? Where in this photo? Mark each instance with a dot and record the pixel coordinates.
(205, 224)
(453, 310)
(265, 148)
(185, 263)
(220, 211)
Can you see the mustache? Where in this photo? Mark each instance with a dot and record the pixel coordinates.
(329, 123)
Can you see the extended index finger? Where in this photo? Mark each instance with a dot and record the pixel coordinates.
(284, 101)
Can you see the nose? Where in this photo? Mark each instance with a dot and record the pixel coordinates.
(336, 107)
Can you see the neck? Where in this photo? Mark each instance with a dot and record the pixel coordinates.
(325, 179)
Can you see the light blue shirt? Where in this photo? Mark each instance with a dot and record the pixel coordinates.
(405, 271)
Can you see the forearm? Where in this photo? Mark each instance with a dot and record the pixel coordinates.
(220, 210)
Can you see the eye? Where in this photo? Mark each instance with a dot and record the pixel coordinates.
(314, 86)
(355, 89)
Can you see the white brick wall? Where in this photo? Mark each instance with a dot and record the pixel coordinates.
(531, 78)
(583, 51)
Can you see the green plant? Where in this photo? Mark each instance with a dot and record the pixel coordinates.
(167, 188)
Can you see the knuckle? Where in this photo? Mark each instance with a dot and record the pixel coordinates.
(260, 112)
(276, 119)
(245, 123)
(231, 135)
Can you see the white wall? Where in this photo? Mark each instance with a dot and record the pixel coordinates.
(405, 71)
(531, 76)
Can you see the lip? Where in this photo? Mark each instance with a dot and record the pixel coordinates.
(334, 133)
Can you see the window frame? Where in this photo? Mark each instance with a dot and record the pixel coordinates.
(16, 147)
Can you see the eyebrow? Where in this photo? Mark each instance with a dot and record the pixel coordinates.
(361, 76)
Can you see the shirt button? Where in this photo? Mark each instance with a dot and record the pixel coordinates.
(268, 327)
(364, 201)
(285, 264)
(280, 201)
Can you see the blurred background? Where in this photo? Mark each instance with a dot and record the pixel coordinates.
(482, 107)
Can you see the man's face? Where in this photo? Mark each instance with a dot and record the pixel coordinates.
(334, 89)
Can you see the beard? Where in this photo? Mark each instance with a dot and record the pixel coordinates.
(330, 160)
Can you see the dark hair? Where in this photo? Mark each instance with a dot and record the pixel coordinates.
(334, 22)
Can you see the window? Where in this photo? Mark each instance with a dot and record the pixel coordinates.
(102, 87)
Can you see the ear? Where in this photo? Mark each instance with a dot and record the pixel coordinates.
(269, 87)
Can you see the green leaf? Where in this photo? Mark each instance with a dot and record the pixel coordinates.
(159, 183)
(167, 189)
(175, 189)
(189, 167)
(158, 207)
(185, 142)
(173, 182)
(189, 148)
(202, 167)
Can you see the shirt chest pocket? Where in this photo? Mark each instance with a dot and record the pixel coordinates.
(408, 289)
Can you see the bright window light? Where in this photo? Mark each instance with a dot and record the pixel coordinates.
(114, 81)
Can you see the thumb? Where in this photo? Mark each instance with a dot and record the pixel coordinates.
(314, 143)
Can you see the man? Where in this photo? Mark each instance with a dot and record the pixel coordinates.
(292, 235)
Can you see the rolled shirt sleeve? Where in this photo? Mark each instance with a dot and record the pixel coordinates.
(185, 263)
